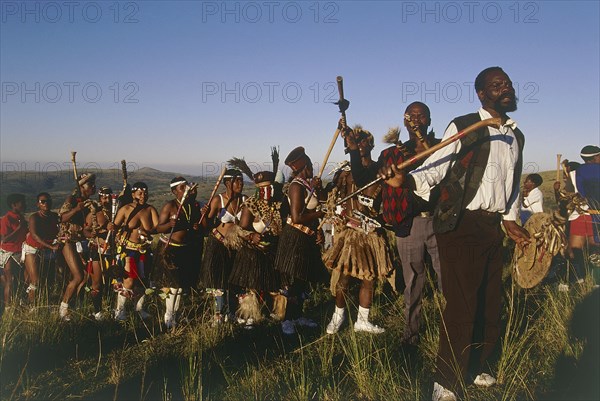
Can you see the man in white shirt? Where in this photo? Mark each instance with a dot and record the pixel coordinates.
(478, 177)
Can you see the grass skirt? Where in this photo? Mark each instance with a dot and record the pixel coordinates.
(253, 268)
(177, 266)
(299, 257)
(216, 264)
(357, 254)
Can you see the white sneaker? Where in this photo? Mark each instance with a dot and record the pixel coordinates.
(288, 327)
(63, 313)
(484, 380)
(120, 315)
(335, 323)
(305, 322)
(143, 314)
(98, 316)
(442, 394)
(367, 327)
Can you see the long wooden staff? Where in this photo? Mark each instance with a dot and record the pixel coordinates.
(558, 157)
(213, 193)
(496, 122)
(343, 104)
(77, 191)
(340, 84)
(116, 204)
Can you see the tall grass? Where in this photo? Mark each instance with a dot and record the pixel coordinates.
(42, 358)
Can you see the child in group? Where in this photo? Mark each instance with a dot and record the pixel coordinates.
(533, 199)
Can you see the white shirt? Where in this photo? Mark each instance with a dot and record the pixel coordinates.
(497, 185)
(534, 202)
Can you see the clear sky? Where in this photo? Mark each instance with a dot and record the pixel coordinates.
(183, 86)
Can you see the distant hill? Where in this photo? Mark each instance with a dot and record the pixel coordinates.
(60, 184)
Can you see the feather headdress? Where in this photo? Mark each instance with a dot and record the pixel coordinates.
(275, 158)
(241, 164)
(392, 136)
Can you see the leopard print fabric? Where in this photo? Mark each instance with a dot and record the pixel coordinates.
(269, 213)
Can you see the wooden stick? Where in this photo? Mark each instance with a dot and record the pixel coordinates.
(212, 194)
(416, 131)
(340, 83)
(496, 122)
(558, 157)
(331, 145)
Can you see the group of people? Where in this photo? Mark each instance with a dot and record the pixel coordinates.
(433, 194)
(582, 187)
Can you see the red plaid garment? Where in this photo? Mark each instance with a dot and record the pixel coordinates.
(395, 202)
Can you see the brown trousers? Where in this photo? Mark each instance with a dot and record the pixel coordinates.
(471, 265)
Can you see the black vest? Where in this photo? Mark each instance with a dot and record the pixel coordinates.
(460, 184)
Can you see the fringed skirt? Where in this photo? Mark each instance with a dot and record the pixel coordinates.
(299, 257)
(253, 269)
(358, 254)
(216, 264)
(177, 266)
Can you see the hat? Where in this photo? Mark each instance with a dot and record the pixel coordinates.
(362, 134)
(85, 178)
(590, 151)
(263, 178)
(105, 191)
(297, 159)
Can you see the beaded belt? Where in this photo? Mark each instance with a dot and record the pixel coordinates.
(164, 239)
(220, 237)
(133, 246)
(300, 227)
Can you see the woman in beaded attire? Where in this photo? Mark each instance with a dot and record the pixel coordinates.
(225, 211)
(72, 218)
(260, 226)
(298, 256)
(96, 231)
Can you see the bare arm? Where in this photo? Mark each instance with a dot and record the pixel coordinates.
(164, 221)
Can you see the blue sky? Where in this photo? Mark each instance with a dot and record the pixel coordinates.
(184, 86)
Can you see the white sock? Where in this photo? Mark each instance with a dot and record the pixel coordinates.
(172, 301)
(63, 310)
(177, 296)
(363, 314)
(140, 304)
(339, 311)
(121, 302)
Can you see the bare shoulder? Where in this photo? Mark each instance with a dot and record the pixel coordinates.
(169, 205)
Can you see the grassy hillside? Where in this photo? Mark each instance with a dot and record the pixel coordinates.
(61, 183)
